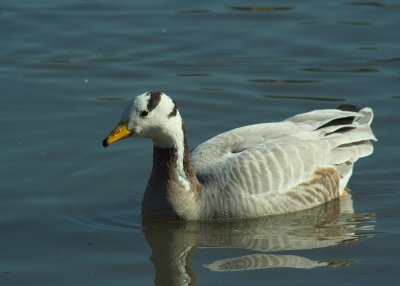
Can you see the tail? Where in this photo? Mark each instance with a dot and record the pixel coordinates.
(348, 132)
(350, 137)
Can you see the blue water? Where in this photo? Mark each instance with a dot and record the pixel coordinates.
(70, 210)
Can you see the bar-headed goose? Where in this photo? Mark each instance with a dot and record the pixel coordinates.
(251, 171)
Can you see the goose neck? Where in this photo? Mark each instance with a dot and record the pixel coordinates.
(173, 163)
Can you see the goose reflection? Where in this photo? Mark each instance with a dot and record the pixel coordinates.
(174, 243)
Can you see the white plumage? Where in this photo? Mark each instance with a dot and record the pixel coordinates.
(251, 171)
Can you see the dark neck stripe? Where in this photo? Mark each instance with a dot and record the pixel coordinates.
(154, 100)
(165, 160)
(173, 112)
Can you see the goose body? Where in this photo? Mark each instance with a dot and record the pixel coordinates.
(251, 171)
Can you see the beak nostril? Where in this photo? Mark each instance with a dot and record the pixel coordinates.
(121, 131)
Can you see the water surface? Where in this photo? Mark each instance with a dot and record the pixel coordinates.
(70, 210)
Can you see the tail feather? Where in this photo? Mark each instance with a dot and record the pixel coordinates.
(345, 171)
(320, 119)
(350, 138)
(367, 115)
(351, 153)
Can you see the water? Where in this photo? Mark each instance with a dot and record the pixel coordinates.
(70, 210)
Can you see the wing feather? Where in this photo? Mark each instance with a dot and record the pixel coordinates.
(273, 158)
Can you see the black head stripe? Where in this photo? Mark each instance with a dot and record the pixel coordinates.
(173, 112)
(155, 97)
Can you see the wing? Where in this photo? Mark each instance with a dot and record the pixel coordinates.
(275, 157)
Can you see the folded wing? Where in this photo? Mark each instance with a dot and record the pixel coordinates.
(268, 161)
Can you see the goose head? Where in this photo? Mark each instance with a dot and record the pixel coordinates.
(152, 115)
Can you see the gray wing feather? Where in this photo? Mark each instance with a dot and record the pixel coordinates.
(275, 157)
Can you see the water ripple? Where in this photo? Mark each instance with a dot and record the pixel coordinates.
(193, 74)
(261, 8)
(313, 98)
(193, 11)
(284, 81)
(352, 70)
(394, 59)
(374, 4)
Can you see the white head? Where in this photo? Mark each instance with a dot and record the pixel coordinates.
(151, 115)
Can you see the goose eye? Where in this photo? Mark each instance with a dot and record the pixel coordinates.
(144, 113)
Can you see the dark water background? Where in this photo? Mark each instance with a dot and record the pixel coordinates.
(70, 210)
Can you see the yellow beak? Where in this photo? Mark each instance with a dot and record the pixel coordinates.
(120, 132)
